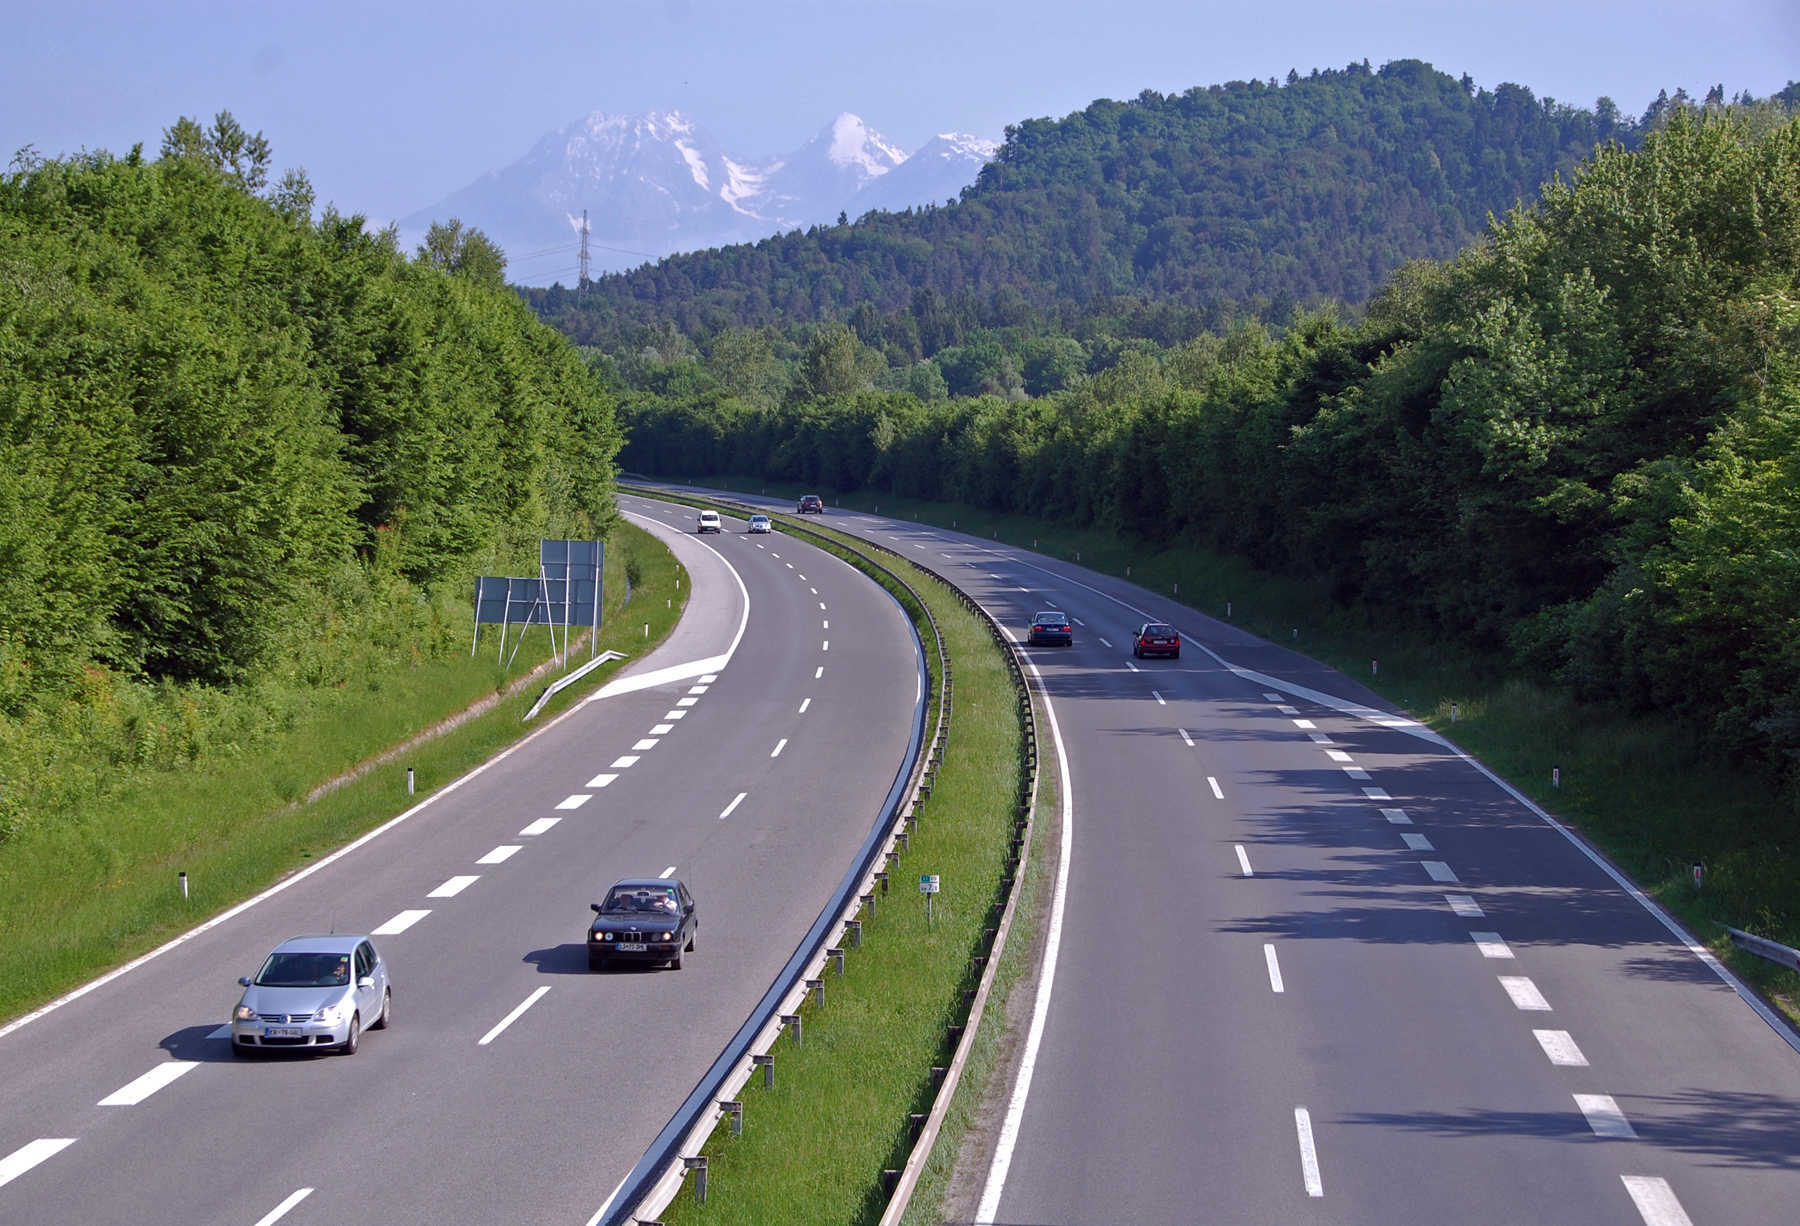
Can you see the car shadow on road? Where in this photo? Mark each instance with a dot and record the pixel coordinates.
(197, 1043)
(569, 958)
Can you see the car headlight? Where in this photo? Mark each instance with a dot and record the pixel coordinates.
(243, 1013)
(607, 937)
(664, 936)
(330, 1015)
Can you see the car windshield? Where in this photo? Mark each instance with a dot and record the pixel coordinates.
(308, 970)
(659, 901)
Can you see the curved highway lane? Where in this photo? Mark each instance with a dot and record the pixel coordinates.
(513, 1085)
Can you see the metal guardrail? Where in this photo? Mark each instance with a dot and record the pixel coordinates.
(1762, 947)
(675, 1152)
(570, 679)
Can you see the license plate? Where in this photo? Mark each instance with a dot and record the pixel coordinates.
(631, 947)
(281, 1032)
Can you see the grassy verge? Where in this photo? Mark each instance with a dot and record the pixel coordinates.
(842, 1098)
(1638, 787)
(93, 890)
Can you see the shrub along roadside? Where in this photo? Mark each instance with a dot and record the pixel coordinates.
(1639, 788)
(95, 890)
(814, 1145)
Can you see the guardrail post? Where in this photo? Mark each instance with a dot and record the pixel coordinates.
(816, 986)
(868, 901)
(767, 1064)
(836, 954)
(883, 879)
(792, 1022)
(854, 928)
(735, 1109)
(697, 1164)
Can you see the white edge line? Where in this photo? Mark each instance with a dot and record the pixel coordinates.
(1040, 1009)
(279, 1211)
(512, 1017)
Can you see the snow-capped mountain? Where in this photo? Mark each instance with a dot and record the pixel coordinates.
(656, 183)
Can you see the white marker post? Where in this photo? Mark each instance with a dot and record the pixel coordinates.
(928, 885)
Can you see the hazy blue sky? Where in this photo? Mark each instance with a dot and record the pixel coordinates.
(391, 106)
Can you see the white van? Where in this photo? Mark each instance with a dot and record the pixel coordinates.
(709, 522)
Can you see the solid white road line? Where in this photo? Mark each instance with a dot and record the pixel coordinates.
(542, 825)
(624, 762)
(668, 872)
(1309, 1155)
(1560, 1047)
(280, 1211)
(1465, 906)
(1437, 870)
(1275, 984)
(455, 886)
(1490, 945)
(1186, 737)
(779, 746)
(738, 800)
(1214, 784)
(1416, 842)
(500, 854)
(1604, 1117)
(648, 742)
(1244, 860)
(400, 923)
(135, 1092)
(804, 703)
(512, 1017)
(1655, 1201)
(600, 781)
(29, 1155)
(1524, 994)
(575, 800)
(1397, 816)
(1159, 698)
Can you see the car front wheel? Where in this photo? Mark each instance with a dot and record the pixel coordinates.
(387, 1010)
(675, 962)
(351, 1040)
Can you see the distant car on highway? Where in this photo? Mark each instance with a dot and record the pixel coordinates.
(760, 523)
(313, 992)
(643, 919)
(1052, 627)
(1156, 639)
(709, 522)
(811, 504)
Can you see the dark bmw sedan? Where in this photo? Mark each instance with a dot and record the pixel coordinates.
(1051, 627)
(643, 919)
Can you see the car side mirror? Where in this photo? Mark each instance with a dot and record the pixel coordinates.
(595, 907)
(243, 981)
(366, 983)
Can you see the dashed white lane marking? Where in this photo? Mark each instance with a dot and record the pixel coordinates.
(826, 625)
(735, 802)
(667, 872)
(1304, 723)
(500, 854)
(686, 702)
(804, 703)
(1186, 737)
(542, 825)
(1273, 697)
(821, 604)
(1560, 1048)
(779, 746)
(1416, 842)
(400, 923)
(1131, 666)
(1524, 994)
(601, 780)
(135, 1092)
(945, 555)
(644, 743)
(624, 761)
(1081, 623)
(802, 578)
(773, 554)
(512, 1017)
(280, 1211)
(1376, 794)
(1275, 984)
(1159, 698)
(708, 678)
(818, 672)
(1104, 643)
(1338, 755)
(29, 1155)
(1356, 772)
(1655, 1201)
(814, 591)
(1397, 816)
(1287, 710)
(789, 565)
(1465, 906)
(1026, 590)
(1309, 1154)
(698, 689)
(455, 886)
(675, 714)
(1319, 738)
(1490, 945)
(1244, 860)
(1437, 870)
(1214, 784)
(662, 730)
(575, 800)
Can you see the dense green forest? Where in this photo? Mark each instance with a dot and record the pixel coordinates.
(1576, 444)
(239, 445)
(1250, 192)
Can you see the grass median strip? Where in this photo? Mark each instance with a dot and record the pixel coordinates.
(99, 887)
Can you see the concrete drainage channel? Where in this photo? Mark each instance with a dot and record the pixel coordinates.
(676, 1154)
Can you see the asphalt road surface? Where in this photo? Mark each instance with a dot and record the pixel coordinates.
(513, 1086)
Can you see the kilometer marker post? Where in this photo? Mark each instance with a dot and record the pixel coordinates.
(928, 886)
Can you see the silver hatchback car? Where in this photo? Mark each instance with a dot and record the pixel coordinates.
(313, 992)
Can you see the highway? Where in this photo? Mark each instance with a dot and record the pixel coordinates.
(1311, 964)
(747, 755)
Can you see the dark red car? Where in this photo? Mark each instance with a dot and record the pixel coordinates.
(1156, 639)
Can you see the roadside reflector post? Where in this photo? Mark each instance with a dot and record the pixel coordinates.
(646, 629)
(182, 876)
(411, 782)
(1227, 608)
(735, 1109)
(1375, 668)
(767, 1064)
(1556, 776)
(1699, 875)
(1178, 589)
(1455, 713)
(697, 1164)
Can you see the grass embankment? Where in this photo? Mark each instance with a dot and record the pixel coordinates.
(1640, 788)
(97, 887)
(815, 1144)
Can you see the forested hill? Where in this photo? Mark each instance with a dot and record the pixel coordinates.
(1215, 197)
